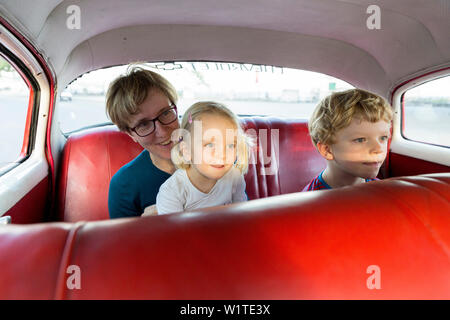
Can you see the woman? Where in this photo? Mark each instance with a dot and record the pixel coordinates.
(142, 104)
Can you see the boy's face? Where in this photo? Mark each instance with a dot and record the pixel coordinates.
(360, 148)
(158, 143)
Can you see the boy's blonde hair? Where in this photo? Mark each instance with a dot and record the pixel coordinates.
(337, 110)
(128, 91)
(209, 107)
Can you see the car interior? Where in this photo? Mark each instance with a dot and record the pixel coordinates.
(282, 243)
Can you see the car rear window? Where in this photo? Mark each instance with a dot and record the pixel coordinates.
(247, 89)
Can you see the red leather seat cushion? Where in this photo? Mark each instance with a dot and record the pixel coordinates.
(315, 245)
(283, 165)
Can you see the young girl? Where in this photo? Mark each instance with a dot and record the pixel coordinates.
(211, 157)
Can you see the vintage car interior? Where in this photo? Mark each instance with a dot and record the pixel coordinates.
(283, 243)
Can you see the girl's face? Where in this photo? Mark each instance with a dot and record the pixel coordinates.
(214, 140)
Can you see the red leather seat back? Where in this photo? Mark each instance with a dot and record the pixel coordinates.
(314, 245)
(286, 157)
(283, 161)
(30, 259)
(89, 160)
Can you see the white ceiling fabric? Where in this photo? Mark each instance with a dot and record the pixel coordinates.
(328, 36)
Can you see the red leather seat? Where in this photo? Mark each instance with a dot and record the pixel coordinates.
(282, 165)
(314, 245)
(30, 259)
(89, 160)
(286, 157)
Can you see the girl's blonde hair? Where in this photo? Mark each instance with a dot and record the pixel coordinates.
(209, 107)
(336, 111)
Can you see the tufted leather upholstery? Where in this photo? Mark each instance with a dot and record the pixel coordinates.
(90, 158)
(315, 245)
(284, 164)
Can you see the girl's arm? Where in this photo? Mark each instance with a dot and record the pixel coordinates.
(239, 194)
(169, 199)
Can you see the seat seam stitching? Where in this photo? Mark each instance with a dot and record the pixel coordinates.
(65, 258)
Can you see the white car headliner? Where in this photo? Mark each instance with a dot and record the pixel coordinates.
(327, 36)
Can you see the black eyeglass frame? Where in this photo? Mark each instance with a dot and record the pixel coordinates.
(173, 106)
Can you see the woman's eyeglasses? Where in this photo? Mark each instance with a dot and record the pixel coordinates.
(146, 127)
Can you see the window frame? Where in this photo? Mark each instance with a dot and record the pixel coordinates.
(403, 116)
(416, 149)
(18, 181)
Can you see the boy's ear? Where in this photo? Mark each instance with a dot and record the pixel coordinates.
(325, 150)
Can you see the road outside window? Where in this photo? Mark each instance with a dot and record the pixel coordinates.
(427, 112)
(247, 89)
(14, 96)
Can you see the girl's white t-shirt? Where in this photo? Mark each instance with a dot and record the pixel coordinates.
(178, 193)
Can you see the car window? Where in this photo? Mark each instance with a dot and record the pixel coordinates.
(245, 88)
(14, 97)
(426, 114)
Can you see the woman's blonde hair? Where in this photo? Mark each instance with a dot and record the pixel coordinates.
(209, 107)
(337, 110)
(128, 91)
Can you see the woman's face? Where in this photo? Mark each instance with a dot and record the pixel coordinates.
(158, 143)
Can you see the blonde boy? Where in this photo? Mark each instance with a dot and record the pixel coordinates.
(350, 129)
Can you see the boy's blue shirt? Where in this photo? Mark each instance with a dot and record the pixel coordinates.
(134, 187)
(319, 184)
